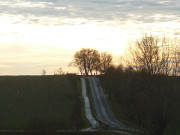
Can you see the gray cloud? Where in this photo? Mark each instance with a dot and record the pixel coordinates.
(99, 10)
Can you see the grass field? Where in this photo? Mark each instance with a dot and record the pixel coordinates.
(40, 102)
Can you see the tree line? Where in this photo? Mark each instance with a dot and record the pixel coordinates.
(150, 53)
(151, 102)
(147, 88)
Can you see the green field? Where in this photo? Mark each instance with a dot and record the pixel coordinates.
(40, 103)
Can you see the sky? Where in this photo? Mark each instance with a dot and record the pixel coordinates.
(44, 34)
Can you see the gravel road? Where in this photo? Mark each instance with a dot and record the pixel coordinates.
(89, 116)
(103, 111)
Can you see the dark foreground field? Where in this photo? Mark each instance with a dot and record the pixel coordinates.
(41, 103)
(66, 133)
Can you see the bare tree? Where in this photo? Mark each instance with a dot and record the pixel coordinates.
(176, 57)
(146, 53)
(156, 55)
(43, 72)
(80, 60)
(94, 61)
(106, 61)
(60, 71)
(78, 65)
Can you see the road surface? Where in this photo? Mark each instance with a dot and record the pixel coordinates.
(103, 111)
(89, 116)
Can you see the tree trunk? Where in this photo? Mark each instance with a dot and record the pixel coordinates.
(81, 72)
(86, 72)
(85, 68)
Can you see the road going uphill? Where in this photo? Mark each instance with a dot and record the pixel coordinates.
(103, 111)
(89, 116)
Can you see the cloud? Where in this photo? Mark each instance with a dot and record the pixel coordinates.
(100, 10)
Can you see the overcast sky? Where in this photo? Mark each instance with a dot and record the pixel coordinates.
(44, 34)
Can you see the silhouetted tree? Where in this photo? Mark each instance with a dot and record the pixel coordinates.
(86, 59)
(175, 57)
(93, 60)
(60, 71)
(156, 55)
(80, 60)
(146, 53)
(43, 72)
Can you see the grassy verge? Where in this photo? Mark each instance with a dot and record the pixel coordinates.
(116, 109)
(40, 103)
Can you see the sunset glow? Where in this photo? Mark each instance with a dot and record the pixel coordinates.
(44, 34)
